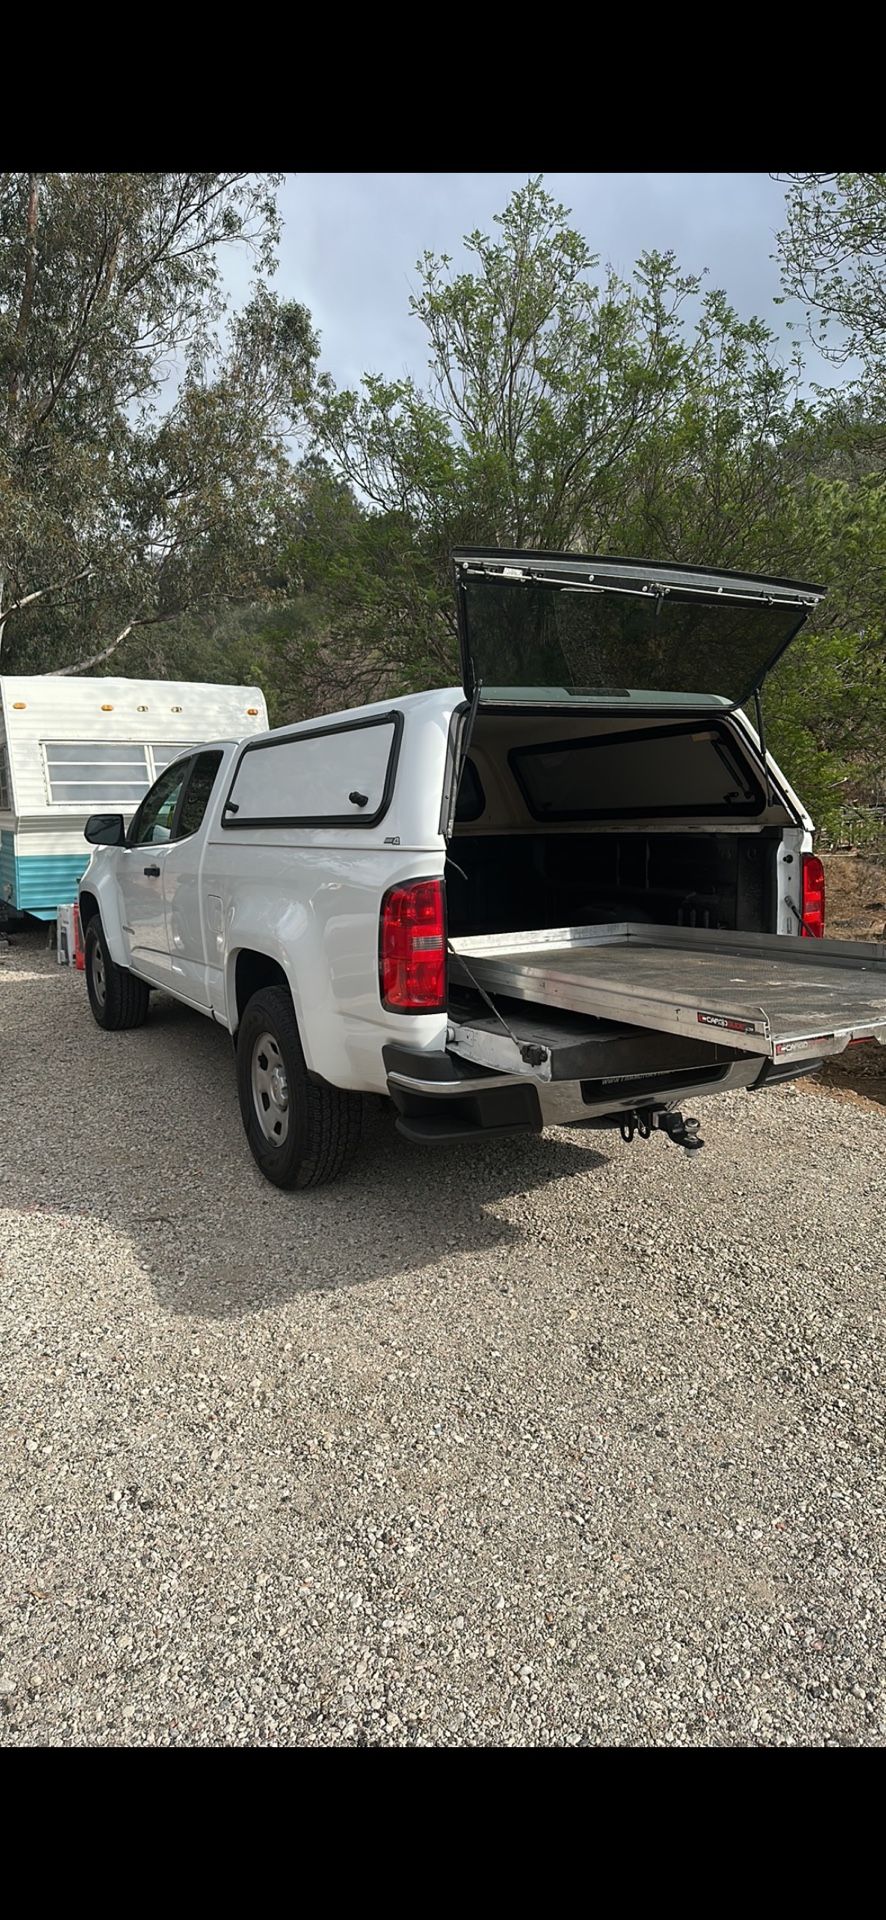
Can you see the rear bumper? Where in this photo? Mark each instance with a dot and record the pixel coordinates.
(441, 1099)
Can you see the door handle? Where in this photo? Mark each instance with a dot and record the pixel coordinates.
(153, 873)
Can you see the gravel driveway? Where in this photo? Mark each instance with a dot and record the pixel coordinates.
(560, 1441)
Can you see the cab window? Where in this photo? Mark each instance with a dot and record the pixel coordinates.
(196, 800)
(154, 821)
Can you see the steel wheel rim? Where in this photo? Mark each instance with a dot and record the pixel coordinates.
(270, 1089)
(99, 977)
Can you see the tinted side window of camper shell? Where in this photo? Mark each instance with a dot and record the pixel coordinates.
(471, 801)
(339, 776)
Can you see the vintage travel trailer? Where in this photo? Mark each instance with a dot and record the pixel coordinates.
(75, 745)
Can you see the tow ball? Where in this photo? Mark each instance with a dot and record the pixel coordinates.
(680, 1128)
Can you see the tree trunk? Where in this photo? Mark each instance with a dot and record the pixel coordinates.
(26, 303)
(95, 659)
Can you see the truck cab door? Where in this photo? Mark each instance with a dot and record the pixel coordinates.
(149, 842)
(189, 974)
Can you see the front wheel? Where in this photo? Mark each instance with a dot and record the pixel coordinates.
(116, 997)
(301, 1132)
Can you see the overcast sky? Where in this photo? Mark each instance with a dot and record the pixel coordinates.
(351, 241)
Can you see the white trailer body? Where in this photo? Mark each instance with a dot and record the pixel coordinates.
(73, 745)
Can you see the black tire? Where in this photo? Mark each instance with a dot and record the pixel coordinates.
(116, 997)
(320, 1132)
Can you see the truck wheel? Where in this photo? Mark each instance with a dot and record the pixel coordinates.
(301, 1132)
(116, 997)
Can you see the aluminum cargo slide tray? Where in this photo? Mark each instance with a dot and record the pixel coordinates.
(775, 995)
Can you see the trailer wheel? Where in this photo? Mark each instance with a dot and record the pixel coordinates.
(116, 997)
(301, 1132)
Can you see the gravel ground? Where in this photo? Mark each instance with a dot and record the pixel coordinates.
(553, 1442)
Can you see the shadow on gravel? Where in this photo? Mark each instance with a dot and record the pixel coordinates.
(142, 1132)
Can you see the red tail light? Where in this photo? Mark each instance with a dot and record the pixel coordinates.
(813, 896)
(412, 948)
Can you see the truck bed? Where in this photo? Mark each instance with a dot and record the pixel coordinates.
(767, 994)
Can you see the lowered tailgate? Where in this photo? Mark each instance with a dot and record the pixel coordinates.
(769, 994)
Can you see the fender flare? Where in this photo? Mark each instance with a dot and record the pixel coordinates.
(265, 948)
(102, 890)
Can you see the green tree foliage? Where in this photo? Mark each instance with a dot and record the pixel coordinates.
(542, 382)
(826, 701)
(153, 511)
(565, 407)
(833, 257)
(117, 512)
(282, 641)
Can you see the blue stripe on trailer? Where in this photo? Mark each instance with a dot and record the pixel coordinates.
(7, 867)
(49, 879)
(44, 881)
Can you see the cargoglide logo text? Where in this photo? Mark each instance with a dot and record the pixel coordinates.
(727, 1024)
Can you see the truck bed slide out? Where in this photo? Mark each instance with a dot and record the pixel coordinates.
(774, 995)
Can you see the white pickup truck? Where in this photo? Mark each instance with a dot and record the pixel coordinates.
(572, 890)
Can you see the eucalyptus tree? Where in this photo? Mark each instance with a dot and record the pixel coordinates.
(143, 436)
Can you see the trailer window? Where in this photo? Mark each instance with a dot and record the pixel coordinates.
(106, 772)
(4, 779)
(96, 773)
(162, 752)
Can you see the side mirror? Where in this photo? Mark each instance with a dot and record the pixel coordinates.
(105, 829)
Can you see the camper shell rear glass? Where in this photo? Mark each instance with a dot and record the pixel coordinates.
(648, 774)
(552, 628)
